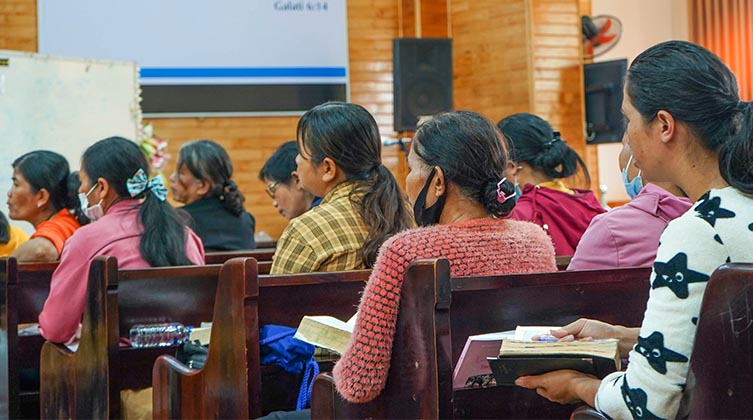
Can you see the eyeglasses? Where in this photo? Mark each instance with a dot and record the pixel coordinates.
(271, 188)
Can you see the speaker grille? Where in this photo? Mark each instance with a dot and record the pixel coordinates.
(422, 70)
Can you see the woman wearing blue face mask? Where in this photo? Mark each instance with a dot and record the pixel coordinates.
(130, 221)
(628, 236)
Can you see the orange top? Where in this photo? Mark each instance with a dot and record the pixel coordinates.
(17, 238)
(58, 229)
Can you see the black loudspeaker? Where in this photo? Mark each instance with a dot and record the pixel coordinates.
(422, 70)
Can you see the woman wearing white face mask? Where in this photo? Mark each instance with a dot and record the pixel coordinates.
(130, 221)
(628, 236)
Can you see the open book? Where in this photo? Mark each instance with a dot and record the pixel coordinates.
(526, 357)
(472, 369)
(326, 332)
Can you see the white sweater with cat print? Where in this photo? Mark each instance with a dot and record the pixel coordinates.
(717, 229)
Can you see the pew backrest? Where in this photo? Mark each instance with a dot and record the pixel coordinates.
(437, 314)
(721, 366)
(282, 300)
(286, 299)
(86, 383)
(259, 254)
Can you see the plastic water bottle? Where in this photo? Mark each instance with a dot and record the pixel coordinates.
(158, 335)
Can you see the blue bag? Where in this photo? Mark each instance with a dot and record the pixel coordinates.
(278, 347)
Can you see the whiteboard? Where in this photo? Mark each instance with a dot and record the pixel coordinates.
(63, 105)
(223, 56)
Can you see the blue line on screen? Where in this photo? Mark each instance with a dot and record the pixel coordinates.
(163, 72)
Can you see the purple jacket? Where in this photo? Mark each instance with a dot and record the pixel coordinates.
(628, 236)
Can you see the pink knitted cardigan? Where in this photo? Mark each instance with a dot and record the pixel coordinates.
(476, 247)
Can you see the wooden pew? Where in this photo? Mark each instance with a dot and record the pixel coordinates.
(23, 291)
(263, 257)
(86, 383)
(721, 366)
(438, 314)
(222, 388)
(283, 300)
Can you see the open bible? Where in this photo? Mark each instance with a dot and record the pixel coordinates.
(522, 357)
(326, 332)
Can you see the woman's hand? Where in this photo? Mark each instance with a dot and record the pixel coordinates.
(563, 386)
(586, 330)
(590, 329)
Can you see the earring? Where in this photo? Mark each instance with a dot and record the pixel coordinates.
(39, 205)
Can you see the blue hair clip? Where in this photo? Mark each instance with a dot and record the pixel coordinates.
(139, 183)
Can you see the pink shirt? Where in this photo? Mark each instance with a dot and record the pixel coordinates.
(628, 236)
(563, 216)
(116, 234)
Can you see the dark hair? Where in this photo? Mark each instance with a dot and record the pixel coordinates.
(697, 88)
(471, 152)
(4, 229)
(348, 134)
(533, 140)
(117, 159)
(281, 164)
(48, 170)
(208, 161)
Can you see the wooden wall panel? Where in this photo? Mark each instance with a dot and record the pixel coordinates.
(558, 75)
(18, 25)
(492, 62)
(372, 24)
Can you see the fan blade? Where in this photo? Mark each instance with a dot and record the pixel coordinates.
(607, 26)
(603, 39)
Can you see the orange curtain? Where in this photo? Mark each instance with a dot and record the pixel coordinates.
(726, 28)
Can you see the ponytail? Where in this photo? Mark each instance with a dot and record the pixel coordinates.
(736, 154)
(558, 160)
(382, 209)
(232, 198)
(163, 242)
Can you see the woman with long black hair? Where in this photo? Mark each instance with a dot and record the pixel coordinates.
(540, 159)
(688, 126)
(340, 160)
(130, 220)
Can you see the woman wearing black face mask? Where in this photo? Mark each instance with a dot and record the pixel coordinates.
(457, 186)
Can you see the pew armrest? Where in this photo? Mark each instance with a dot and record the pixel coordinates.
(585, 412)
(168, 377)
(56, 367)
(324, 397)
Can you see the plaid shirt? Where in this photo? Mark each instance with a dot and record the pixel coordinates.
(328, 237)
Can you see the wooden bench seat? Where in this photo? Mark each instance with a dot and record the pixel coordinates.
(282, 300)
(437, 314)
(86, 383)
